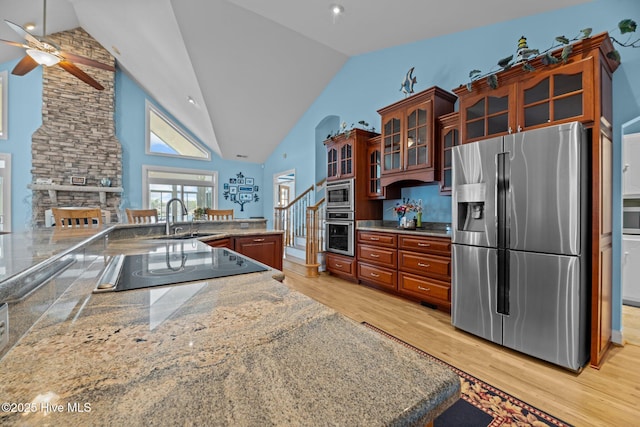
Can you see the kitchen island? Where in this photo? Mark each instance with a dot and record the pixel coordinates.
(241, 350)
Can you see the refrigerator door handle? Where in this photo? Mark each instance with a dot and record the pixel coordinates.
(502, 291)
(503, 198)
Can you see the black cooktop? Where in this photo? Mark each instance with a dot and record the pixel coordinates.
(172, 267)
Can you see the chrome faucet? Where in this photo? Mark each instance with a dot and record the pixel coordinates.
(184, 211)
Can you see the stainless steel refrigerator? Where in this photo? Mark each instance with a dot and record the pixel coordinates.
(520, 243)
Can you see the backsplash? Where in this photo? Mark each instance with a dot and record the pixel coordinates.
(435, 208)
(77, 136)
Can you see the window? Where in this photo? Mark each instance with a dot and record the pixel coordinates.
(4, 80)
(165, 138)
(5, 192)
(196, 188)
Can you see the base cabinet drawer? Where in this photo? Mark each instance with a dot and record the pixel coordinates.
(384, 257)
(421, 287)
(341, 265)
(379, 239)
(377, 275)
(432, 245)
(438, 267)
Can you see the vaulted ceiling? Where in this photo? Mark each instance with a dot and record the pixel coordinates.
(253, 67)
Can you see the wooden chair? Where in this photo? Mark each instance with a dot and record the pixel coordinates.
(219, 214)
(142, 216)
(77, 217)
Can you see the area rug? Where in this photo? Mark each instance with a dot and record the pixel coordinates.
(482, 405)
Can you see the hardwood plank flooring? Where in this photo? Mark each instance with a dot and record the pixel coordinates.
(606, 397)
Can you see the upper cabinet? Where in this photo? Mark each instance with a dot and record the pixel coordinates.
(410, 136)
(340, 161)
(449, 138)
(554, 94)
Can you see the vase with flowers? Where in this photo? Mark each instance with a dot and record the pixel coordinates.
(401, 209)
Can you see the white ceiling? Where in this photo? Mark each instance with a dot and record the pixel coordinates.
(252, 66)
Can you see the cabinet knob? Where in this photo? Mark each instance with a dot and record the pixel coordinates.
(519, 128)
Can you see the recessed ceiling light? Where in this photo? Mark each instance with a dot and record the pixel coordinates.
(337, 9)
(29, 26)
(191, 101)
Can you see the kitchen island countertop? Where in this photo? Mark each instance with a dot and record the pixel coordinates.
(243, 350)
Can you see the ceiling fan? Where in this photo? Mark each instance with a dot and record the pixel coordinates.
(40, 51)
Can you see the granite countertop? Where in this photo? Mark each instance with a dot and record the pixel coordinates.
(428, 229)
(241, 350)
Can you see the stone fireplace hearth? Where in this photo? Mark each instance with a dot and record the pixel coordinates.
(77, 136)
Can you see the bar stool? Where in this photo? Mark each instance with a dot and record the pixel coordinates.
(219, 214)
(142, 216)
(66, 218)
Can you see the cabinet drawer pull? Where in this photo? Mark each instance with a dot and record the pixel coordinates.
(338, 265)
(424, 244)
(258, 240)
(375, 239)
(424, 289)
(374, 275)
(424, 265)
(374, 255)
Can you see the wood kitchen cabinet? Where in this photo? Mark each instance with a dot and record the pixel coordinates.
(449, 138)
(377, 259)
(579, 89)
(266, 248)
(341, 266)
(346, 154)
(413, 266)
(410, 136)
(424, 265)
(527, 100)
(220, 243)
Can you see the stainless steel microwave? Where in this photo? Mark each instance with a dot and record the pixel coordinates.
(340, 195)
(631, 220)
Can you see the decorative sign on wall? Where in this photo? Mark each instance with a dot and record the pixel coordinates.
(240, 190)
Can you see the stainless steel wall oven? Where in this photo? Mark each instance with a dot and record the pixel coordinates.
(340, 232)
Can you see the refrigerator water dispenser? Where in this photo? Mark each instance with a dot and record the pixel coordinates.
(471, 210)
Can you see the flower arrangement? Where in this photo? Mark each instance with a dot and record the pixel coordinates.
(200, 213)
(400, 209)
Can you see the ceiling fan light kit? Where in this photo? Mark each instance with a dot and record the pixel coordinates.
(43, 52)
(42, 57)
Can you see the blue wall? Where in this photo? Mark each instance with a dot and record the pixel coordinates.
(24, 116)
(130, 130)
(371, 81)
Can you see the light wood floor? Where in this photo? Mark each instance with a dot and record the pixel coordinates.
(606, 397)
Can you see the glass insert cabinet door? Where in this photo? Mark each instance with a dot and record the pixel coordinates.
(488, 114)
(392, 144)
(557, 97)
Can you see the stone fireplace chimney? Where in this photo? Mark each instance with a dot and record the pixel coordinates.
(77, 136)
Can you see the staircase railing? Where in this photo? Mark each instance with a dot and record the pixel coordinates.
(315, 232)
(292, 218)
(302, 219)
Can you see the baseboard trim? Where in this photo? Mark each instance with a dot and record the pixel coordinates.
(617, 337)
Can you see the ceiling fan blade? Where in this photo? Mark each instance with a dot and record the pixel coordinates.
(71, 68)
(25, 65)
(24, 34)
(16, 44)
(85, 61)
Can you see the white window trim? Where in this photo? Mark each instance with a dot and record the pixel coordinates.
(4, 99)
(6, 191)
(145, 181)
(147, 133)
